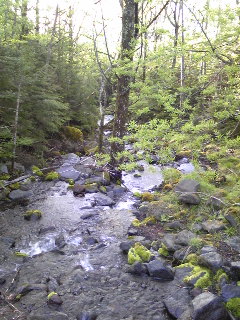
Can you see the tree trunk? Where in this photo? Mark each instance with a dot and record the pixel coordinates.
(37, 27)
(124, 80)
(50, 45)
(15, 129)
(24, 22)
(182, 76)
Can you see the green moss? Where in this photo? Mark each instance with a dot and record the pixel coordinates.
(163, 251)
(20, 254)
(32, 178)
(37, 171)
(171, 176)
(204, 275)
(14, 186)
(103, 189)
(233, 305)
(238, 283)
(220, 275)
(147, 196)
(4, 177)
(52, 176)
(147, 221)
(51, 294)
(192, 258)
(71, 182)
(28, 214)
(18, 297)
(137, 194)
(196, 243)
(138, 253)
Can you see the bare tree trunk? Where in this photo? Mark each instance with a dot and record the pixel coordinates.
(37, 27)
(24, 27)
(15, 129)
(124, 80)
(182, 76)
(50, 45)
(204, 64)
(102, 106)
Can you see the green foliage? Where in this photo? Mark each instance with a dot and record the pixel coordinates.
(29, 213)
(37, 171)
(171, 175)
(73, 134)
(138, 253)
(147, 221)
(163, 251)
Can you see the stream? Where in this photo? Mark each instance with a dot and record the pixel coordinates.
(73, 250)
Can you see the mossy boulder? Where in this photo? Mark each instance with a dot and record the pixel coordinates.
(157, 209)
(53, 175)
(138, 253)
(32, 215)
(74, 134)
(233, 305)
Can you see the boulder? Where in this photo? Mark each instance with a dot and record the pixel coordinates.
(60, 241)
(189, 198)
(184, 237)
(3, 169)
(211, 260)
(174, 225)
(156, 209)
(125, 246)
(230, 291)
(169, 241)
(16, 195)
(55, 299)
(207, 306)
(235, 270)
(234, 242)
(187, 185)
(71, 159)
(158, 270)
(78, 189)
(213, 226)
(67, 171)
(178, 302)
(91, 188)
(216, 203)
(103, 200)
(132, 232)
(138, 268)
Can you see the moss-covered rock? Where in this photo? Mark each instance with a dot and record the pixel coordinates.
(163, 251)
(147, 196)
(73, 134)
(147, 221)
(37, 171)
(32, 215)
(233, 305)
(53, 175)
(14, 186)
(138, 253)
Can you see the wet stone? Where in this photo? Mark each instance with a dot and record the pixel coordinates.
(157, 269)
(235, 270)
(184, 237)
(55, 299)
(212, 260)
(125, 246)
(234, 242)
(103, 200)
(48, 315)
(68, 172)
(87, 316)
(19, 194)
(230, 291)
(178, 302)
(60, 241)
(209, 306)
(132, 232)
(138, 268)
(189, 198)
(187, 185)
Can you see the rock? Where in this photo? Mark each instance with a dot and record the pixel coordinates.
(156, 209)
(4, 195)
(180, 254)
(89, 215)
(230, 291)
(174, 225)
(234, 243)
(157, 269)
(187, 185)
(207, 249)
(55, 299)
(78, 189)
(87, 316)
(231, 220)
(48, 315)
(169, 241)
(186, 167)
(16, 195)
(71, 159)
(196, 227)
(32, 215)
(24, 289)
(213, 226)
(177, 303)
(43, 230)
(184, 237)
(97, 180)
(91, 188)
(91, 241)
(208, 306)
(189, 198)
(19, 167)
(212, 260)
(103, 200)
(138, 268)
(132, 232)
(125, 246)
(67, 171)
(216, 203)
(235, 270)
(118, 191)
(60, 241)
(187, 315)
(181, 273)
(3, 169)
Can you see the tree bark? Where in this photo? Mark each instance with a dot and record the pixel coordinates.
(124, 80)
(37, 27)
(182, 76)
(50, 45)
(15, 129)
